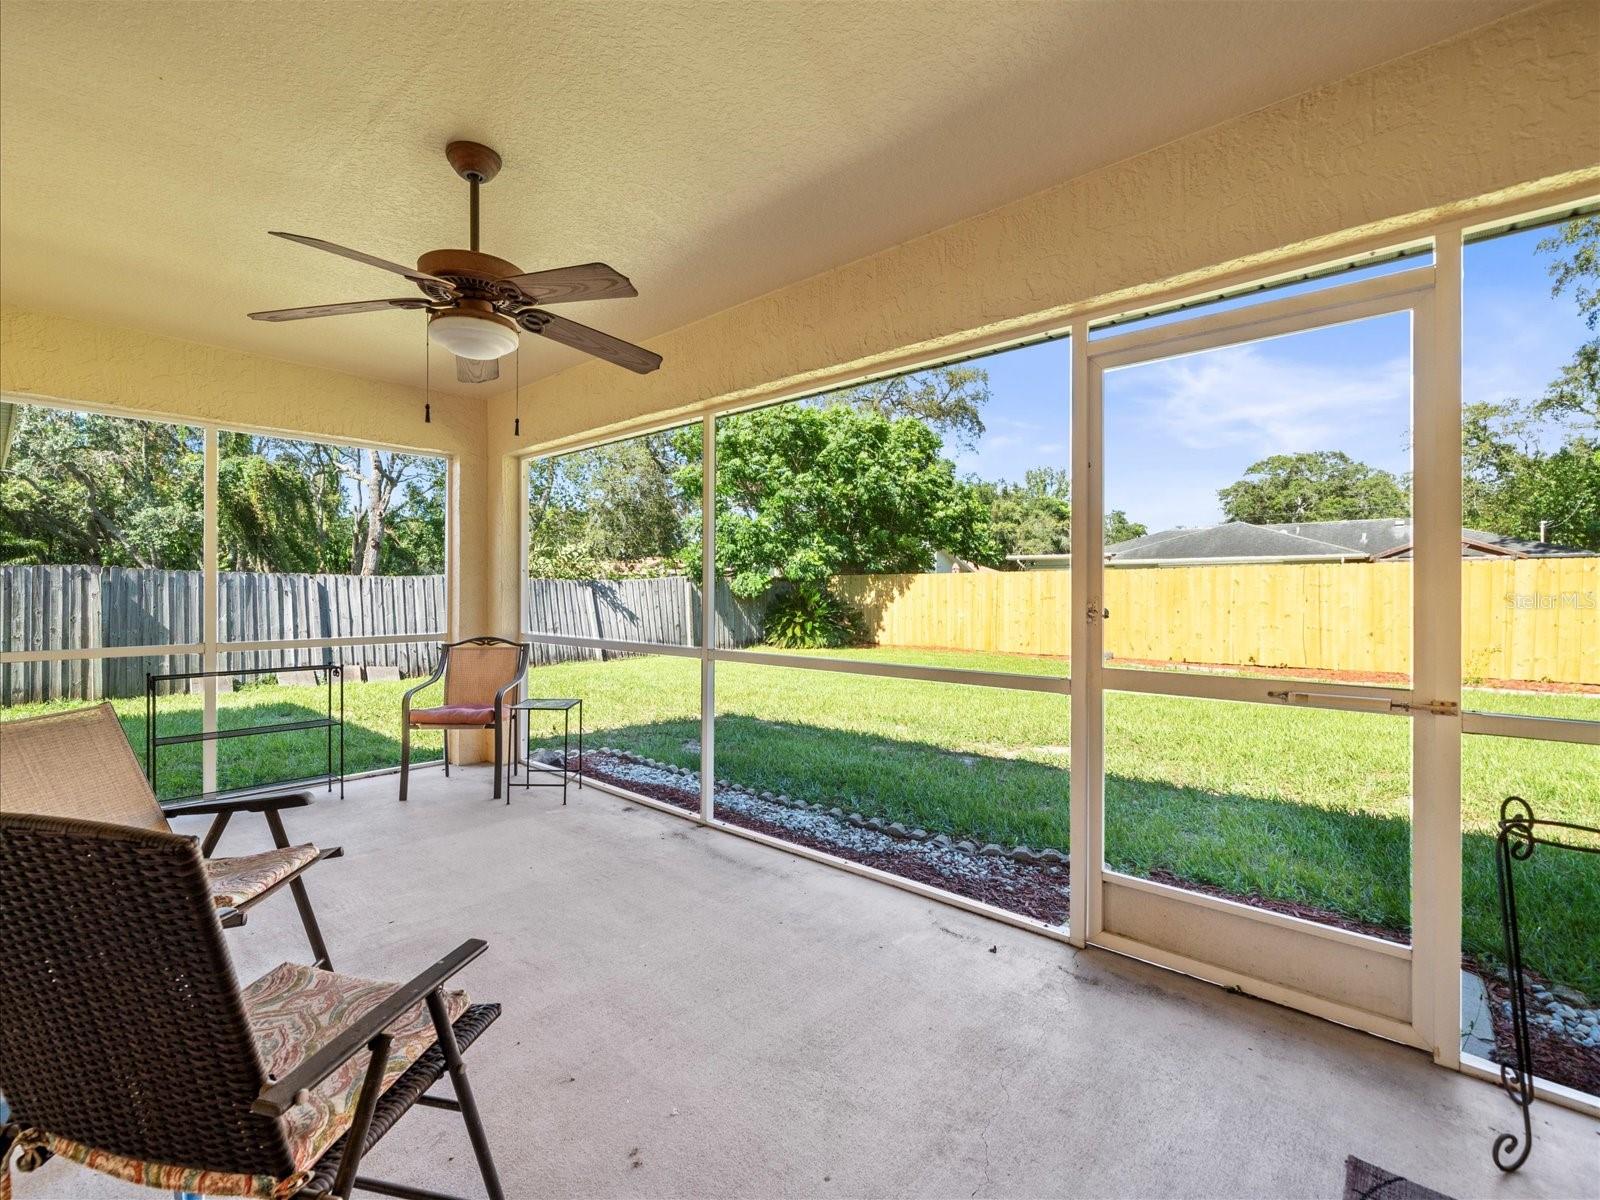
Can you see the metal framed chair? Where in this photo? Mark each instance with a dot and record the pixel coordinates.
(78, 764)
(127, 1044)
(481, 676)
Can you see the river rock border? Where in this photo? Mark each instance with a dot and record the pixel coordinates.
(895, 829)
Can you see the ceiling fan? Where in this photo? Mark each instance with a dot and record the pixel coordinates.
(477, 303)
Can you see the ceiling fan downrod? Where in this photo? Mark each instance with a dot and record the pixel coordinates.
(477, 164)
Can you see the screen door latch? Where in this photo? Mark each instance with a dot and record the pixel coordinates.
(1439, 708)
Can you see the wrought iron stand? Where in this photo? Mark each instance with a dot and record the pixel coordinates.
(1519, 834)
(523, 712)
(329, 723)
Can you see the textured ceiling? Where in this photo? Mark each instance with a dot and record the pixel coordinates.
(712, 152)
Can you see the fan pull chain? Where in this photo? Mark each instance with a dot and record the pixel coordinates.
(516, 403)
(427, 384)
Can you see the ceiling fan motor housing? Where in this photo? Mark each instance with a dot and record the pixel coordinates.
(477, 275)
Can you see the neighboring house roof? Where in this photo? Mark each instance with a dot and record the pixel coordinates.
(1233, 542)
(1392, 537)
(1309, 541)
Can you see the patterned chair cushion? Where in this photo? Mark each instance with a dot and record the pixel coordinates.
(234, 881)
(293, 1011)
(454, 714)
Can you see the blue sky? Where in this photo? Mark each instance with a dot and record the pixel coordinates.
(1177, 431)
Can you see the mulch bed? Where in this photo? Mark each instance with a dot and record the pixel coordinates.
(1554, 1058)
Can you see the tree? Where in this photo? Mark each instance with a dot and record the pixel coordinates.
(84, 488)
(1511, 486)
(266, 511)
(1513, 482)
(1120, 529)
(1574, 396)
(1035, 516)
(609, 510)
(1031, 517)
(805, 493)
(1321, 485)
(948, 400)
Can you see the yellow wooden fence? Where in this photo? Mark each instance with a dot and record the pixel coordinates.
(1528, 619)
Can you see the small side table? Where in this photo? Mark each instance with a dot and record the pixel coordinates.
(522, 712)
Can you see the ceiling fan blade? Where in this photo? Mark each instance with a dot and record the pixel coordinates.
(474, 370)
(337, 310)
(588, 281)
(592, 341)
(371, 260)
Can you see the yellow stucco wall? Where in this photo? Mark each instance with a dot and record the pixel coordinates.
(1509, 110)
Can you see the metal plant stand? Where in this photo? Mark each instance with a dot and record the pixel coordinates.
(331, 721)
(1518, 835)
(522, 712)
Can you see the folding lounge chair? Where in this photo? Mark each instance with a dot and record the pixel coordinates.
(128, 1046)
(79, 764)
(481, 679)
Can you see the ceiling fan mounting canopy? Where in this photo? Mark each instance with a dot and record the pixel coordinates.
(473, 161)
(477, 302)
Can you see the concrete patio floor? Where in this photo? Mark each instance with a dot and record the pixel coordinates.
(690, 1014)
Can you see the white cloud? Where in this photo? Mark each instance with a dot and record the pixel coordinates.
(1266, 404)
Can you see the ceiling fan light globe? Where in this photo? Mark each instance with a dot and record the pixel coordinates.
(468, 335)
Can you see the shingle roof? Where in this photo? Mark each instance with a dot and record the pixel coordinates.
(1347, 541)
(1234, 540)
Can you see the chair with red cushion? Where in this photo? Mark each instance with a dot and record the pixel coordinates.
(482, 677)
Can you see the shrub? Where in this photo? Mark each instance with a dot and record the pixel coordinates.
(807, 616)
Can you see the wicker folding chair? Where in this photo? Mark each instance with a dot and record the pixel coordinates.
(482, 676)
(78, 764)
(127, 1044)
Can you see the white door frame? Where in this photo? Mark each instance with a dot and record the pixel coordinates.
(1408, 993)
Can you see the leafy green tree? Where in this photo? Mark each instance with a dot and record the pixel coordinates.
(266, 517)
(1320, 485)
(1513, 482)
(1512, 486)
(1031, 517)
(314, 507)
(1574, 395)
(948, 400)
(85, 488)
(1120, 529)
(1035, 516)
(415, 536)
(609, 510)
(805, 493)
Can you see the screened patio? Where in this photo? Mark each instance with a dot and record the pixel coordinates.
(744, 1046)
(1055, 632)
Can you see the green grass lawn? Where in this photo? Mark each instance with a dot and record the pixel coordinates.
(1289, 803)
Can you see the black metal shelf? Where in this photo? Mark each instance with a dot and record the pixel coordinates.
(180, 739)
(329, 723)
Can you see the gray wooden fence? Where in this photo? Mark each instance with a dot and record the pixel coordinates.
(663, 610)
(84, 607)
